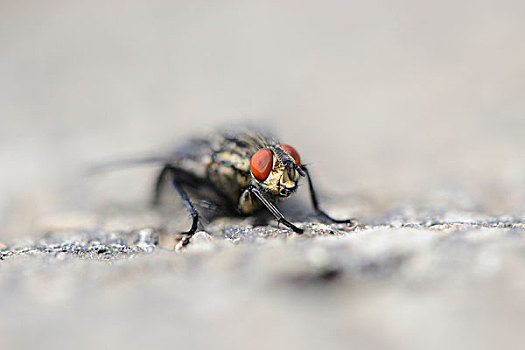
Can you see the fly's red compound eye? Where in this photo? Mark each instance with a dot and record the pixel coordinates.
(293, 152)
(261, 164)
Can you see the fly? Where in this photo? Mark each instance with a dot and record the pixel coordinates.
(242, 171)
(245, 170)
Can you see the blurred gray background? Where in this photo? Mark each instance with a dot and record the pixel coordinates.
(395, 99)
(406, 111)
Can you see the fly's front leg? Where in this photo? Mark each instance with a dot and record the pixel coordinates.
(177, 179)
(273, 209)
(315, 203)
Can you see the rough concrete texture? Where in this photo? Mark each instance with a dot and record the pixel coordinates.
(409, 114)
(408, 283)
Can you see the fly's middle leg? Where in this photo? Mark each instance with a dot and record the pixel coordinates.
(177, 178)
(191, 209)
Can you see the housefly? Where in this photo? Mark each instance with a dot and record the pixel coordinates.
(241, 171)
(244, 171)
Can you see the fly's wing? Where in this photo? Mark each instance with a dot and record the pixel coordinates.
(194, 158)
(125, 163)
(191, 161)
(188, 155)
(192, 154)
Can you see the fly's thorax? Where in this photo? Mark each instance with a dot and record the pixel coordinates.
(228, 173)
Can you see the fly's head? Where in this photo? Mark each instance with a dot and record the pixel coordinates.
(276, 170)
